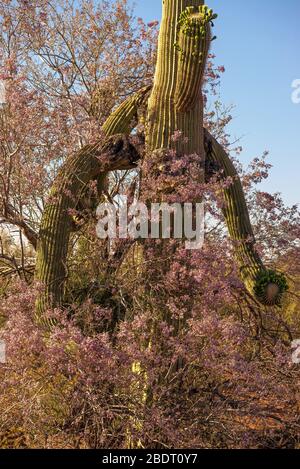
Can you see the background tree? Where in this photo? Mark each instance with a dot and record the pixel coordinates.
(55, 56)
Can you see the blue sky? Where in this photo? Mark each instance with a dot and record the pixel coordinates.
(258, 42)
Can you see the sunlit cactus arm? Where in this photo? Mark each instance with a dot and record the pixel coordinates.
(125, 117)
(173, 104)
(267, 285)
(57, 225)
(192, 44)
(112, 153)
(122, 121)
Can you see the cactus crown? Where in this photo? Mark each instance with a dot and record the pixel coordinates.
(192, 43)
(200, 18)
(270, 287)
(195, 23)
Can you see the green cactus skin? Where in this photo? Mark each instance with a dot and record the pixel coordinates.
(125, 117)
(193, 42)
(175, 103)
(266, 285)
(93, 161)
(175, 67)
(56, 226)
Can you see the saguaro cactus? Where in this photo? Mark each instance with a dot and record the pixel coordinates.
(175, 104)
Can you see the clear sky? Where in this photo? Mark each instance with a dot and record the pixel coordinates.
(258, 42)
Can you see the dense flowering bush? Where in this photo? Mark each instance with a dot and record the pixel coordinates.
(217, 372)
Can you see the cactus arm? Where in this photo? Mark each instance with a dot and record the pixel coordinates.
(267, 285)
(113, 153)
(122, 121)
(56, 224)
(163, 117)
(193, 44)
(125, 117)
